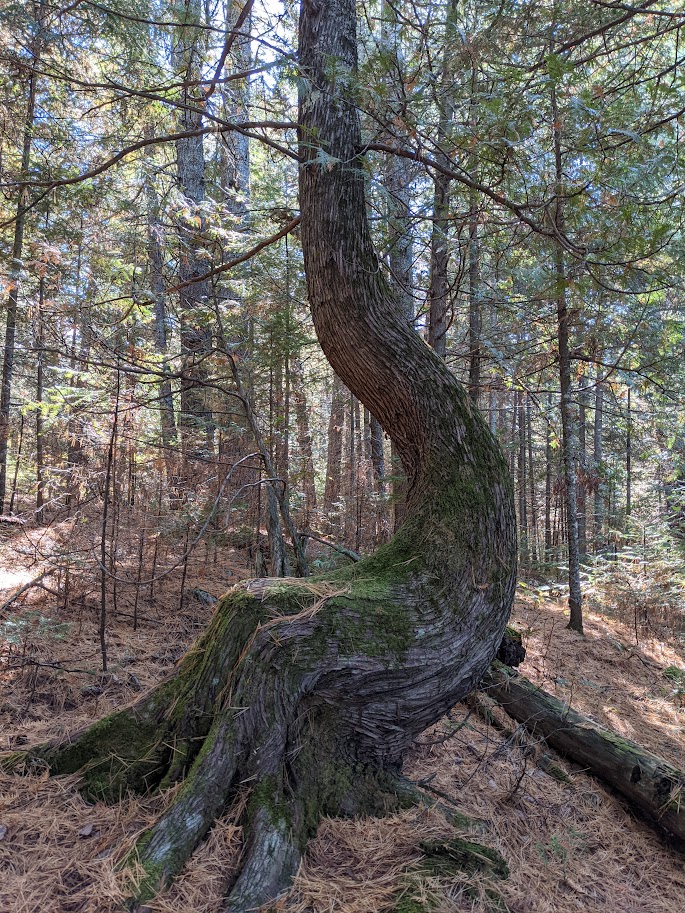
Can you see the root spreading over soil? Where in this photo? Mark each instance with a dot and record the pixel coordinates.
(569, 846)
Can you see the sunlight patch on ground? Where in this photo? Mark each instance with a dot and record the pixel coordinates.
(11, 579)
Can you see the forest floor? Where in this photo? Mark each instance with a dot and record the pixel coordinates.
(570, 846)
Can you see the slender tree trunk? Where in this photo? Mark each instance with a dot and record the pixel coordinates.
(378, 466)
(336, 423)
(377, 455)
(439, 291)
(475, 306)
(629, 462)
(109, 491)
(16, 267)
(304, 441)
(531, 483)
(155, 265)
(548, 477)
(566, 400)
(40, 449)
(234, 147)
(279, 565)
(17, 462)
(582, 465)
(351, 473)
(598, 458)
(195, 420)
(522, 478)
(278, 489)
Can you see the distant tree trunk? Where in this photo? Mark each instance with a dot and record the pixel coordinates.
(156, 271)
(195, 419)
(351, 473)
(378, 467)
(475, 306)
(522, 477)
(531, 482)
(40, 449)
(336, 423)
(439, 291)
(234, 147)
(566, 400)
(308, 693)
(377, 455)
(598, 459)
(548, 478)
(304, 441)
(629, 462)
(16, 266)
(279, 565)
(78, 364)
(582, 465)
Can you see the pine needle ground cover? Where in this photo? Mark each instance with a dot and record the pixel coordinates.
(568, 843)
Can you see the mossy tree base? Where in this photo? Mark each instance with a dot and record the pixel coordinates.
(309, 692)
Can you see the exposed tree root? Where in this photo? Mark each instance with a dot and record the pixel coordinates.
(313, 710)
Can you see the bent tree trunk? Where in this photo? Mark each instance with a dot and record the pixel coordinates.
(310, 691)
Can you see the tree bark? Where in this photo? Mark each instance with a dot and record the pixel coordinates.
(598, 458)
(17, 265)
(195, 419)
(155, 265)
(314, 690)
(651, 785)
(336, 422)
(567, 417)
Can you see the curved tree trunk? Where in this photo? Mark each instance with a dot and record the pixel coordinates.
(313, 690)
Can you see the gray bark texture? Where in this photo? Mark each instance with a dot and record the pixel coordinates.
(195, 419)
(156, 280)
(568, 418)
(313, 690)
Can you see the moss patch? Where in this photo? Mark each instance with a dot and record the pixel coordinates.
(459, 855)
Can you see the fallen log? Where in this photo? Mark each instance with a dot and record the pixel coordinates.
(651, 785)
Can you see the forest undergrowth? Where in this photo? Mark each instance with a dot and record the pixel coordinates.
(569, 844)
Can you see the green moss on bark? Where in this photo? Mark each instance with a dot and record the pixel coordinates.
(120, 753)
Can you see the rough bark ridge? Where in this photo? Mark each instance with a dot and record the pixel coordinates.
(310, 692)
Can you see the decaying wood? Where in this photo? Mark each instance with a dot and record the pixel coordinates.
(652, 786)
